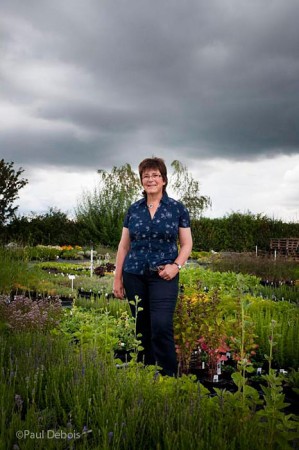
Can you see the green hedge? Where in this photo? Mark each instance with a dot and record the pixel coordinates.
(239, 232)
(235, 232)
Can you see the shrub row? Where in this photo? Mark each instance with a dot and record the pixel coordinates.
(235, 232)
(240, 232)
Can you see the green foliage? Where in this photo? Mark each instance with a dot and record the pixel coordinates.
(51, 228)
(99, 329)
(100, 302)
(279, 427)
(226, 282)
(280, 293)
(10, 184)
(292, 379)
(15, 272)
(72, 254)
(215, 322)
(68, 378)
(75, 384)
(64, 267)
(200, 255)
(257, 313)
(47, 384)
(243, 341)
(42, 253)
(187, 190)
(18, 275)
(102, 212)
(282, 317)
(265, 268)
(239, 232)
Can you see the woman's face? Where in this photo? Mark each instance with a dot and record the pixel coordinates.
(152, 181)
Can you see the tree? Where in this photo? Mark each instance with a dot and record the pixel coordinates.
(102, 211)
(10, 184)
(187, 189)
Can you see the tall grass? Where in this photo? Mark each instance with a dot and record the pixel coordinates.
(286, 317)
(102, 303)
(14, 270)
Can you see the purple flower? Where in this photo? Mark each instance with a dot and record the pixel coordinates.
(18, 401)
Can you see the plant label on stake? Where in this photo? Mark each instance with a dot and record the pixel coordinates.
(218, 368)
(91, 259)
(215, 379)
(72, 277)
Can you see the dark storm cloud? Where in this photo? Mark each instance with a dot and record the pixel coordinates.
(214, 79)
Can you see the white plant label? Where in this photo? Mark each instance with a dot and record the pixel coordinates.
(218, 368)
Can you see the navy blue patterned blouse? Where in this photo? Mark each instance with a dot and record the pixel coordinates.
(154, 241)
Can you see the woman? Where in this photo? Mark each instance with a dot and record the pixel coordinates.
(148, 263)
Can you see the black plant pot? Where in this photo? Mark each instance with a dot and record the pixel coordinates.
(293, 399)
(123, 355)
(221, 384)
(66, 302)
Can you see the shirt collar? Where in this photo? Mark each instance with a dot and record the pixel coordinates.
(164, 199)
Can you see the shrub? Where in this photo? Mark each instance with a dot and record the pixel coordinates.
(72, 254)
(42, 253)
(24, 314)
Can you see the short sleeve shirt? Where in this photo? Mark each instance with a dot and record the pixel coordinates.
(154, 240)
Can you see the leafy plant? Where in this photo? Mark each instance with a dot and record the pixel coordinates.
(278, 427)
(99, 329)
(137, 347)
(187, 189)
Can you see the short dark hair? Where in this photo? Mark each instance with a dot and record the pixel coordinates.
(155, 164)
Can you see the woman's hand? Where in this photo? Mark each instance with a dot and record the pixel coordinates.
(118, 289)
(169, 272)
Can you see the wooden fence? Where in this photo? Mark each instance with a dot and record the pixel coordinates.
(288, 247)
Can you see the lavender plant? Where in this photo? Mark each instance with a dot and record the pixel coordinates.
(48, 386)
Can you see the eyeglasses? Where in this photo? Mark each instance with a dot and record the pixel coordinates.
(155, 176)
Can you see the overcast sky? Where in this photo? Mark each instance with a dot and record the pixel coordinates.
(89, 84)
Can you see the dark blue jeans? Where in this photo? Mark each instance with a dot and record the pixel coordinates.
(155, 321)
